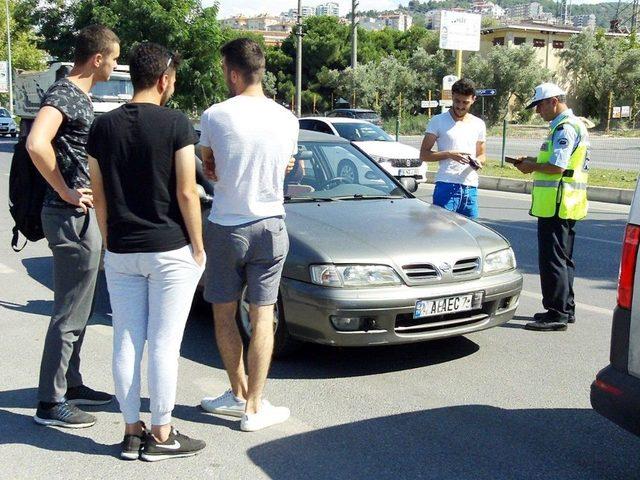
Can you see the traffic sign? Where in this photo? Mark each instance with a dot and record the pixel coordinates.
(429, 103)
(446, 103)
(485, 92)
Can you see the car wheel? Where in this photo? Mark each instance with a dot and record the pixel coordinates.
(348, 170)
(283, 344)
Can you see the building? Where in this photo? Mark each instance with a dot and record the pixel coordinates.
(584, 21)
(547, 40)
(239, 22)
(371, 23)
(397, 21)
(331, 9)
(305, 10)
(282, 26)
(262, 22)
(531, 10)
(488, 9)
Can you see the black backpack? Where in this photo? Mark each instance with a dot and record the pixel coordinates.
(26, 195)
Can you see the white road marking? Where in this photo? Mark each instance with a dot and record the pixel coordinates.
(6, 269)
(578, 237)
(583, 306)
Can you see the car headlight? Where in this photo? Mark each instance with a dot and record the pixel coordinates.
(380, 159)
(354, 276)
(500, 261)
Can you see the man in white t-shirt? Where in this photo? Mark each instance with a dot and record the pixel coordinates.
(247, 144)
(460, 137)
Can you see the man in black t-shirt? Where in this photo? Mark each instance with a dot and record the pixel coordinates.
(56, 145)
(143, 165)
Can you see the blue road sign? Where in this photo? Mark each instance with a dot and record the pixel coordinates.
(485, 92)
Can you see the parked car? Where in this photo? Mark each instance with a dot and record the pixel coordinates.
(370, 264)
(615, 393)
(7, 124)
(356, 113)
(400, 160)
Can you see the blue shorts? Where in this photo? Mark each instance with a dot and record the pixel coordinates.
(458, 198)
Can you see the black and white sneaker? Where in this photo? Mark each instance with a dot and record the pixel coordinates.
(63, 415)
(84, 395)
(176, 446)
(132, 444)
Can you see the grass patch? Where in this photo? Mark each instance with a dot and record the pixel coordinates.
(598, 177)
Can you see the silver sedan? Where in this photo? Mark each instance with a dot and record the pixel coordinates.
(370, 264)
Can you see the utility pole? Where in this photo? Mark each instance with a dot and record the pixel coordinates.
(354, 34)
(299, 61)
(9, 67)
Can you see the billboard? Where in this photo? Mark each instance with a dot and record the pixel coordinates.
(460, 31)
(4, 77)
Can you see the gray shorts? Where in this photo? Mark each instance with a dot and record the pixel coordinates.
(252, 254)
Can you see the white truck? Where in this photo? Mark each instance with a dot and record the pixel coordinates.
(29, 87)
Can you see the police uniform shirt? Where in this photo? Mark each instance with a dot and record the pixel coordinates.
(565, 139)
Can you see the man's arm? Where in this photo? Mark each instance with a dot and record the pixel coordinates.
(427, 155)
(40, 148)
(208, 163)
(529, 164)
(99, 200)
(188, 199)
(481, 152)
(563, 145)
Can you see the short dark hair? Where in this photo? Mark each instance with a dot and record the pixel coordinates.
(464, 86)
(91, 40)
(148, 62)
(245, 56)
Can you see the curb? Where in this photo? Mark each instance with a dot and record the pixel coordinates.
(621, 196)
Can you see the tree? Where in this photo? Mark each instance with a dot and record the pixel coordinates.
(513, 72)
(599, 67)
(181, 25)
(25, 54)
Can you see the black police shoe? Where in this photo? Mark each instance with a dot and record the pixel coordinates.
(542, 315)
(63, 415)
(547, 325)
(176, 446)
(83, 395)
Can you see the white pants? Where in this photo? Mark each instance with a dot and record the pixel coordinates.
(151, 297)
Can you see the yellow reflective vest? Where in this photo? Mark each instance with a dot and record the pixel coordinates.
(563, 194)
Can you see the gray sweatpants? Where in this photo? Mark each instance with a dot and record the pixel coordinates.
(74, 239)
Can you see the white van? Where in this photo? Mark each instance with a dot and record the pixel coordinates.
(615, 393)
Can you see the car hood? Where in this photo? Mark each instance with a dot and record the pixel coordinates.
(388, 232)
(6, 121)
(389, 149)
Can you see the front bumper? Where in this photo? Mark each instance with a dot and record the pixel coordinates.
(389, 311)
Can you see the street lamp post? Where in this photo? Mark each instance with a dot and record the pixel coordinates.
(299, 61)
(354, 34)
(9, 68)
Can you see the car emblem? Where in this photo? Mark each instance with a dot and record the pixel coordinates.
(445, 267)
(408, 163)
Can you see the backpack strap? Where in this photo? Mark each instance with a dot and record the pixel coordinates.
(14, 240)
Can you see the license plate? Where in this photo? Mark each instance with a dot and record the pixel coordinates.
(407, 172)
(442, 306)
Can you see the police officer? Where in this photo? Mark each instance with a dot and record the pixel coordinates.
(559, 199)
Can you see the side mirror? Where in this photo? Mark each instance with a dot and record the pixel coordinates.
(370, 175)
(409, 184)
(303, 155)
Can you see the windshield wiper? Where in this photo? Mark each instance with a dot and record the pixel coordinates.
(288, 198)
(359, 196)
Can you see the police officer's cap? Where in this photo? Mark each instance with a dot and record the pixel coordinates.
(544, 91)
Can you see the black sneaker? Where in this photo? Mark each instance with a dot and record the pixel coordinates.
(542, 315)
(84, 395)
(547, 325)
(176, 446)
(63, 415)
(132, 444)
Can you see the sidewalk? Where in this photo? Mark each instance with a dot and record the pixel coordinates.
(597, 194)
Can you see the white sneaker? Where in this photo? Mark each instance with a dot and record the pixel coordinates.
(225, 404)
(267, 415)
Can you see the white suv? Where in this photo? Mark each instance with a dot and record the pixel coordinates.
(615, 393)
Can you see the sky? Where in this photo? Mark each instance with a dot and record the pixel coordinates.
(253, 7)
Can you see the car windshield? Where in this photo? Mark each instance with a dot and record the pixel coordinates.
(326, 171)
(362, 132)
(115, 88)
(4, 113)
(367, 115)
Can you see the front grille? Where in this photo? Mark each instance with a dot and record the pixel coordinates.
(406, 324)
(466, 266)
(420, 271)
(406, 162)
